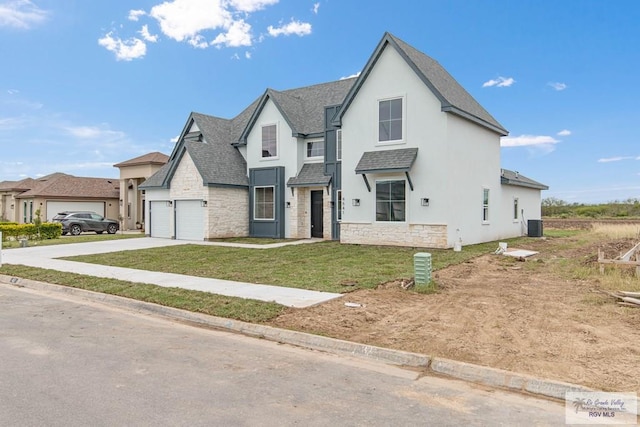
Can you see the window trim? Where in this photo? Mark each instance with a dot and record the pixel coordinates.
(486, 195)
(338, 145)
(402, 140)
(277, 156)
(306, 150)
(375, 200)
(255, 201)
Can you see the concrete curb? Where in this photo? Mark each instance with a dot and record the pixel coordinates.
(450, 368)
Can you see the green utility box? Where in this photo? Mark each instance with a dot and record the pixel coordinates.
(422, 268)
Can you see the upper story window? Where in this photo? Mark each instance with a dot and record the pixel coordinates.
(390, 120)
(315, 149)
(390, 200)
(339, 144)
(269, 141)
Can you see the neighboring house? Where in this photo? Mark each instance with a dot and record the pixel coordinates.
(400, 155)
(19, 200)
(132, 173)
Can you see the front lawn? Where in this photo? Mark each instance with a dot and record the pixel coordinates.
(325, 266)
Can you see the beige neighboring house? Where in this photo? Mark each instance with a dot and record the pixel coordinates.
(51, 194)
(132, 173)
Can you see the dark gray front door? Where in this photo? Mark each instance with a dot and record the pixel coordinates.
(316, 214)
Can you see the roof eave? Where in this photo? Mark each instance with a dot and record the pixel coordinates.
(454, 110)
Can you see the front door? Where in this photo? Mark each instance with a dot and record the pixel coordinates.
(316, 214)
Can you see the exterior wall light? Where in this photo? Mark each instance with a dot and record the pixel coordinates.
(169, 203)
(355, 202)
(204, 203)
(424, 201)
(288, 205)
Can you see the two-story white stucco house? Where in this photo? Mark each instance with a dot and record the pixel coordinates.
(400, 155)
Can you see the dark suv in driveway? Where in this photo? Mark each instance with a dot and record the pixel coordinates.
(75, 222)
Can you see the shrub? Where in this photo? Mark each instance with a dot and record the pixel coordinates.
(48, 230)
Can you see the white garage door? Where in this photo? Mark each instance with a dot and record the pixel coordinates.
(55, 207)
(189, 220)
(160, 218)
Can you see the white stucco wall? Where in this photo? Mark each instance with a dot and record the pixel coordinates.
(456, 160)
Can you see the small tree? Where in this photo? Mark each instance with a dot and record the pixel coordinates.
(37, 221)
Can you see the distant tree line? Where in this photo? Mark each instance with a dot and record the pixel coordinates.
(557, 208)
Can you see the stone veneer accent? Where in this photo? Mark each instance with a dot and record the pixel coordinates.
(227, 213)
(418, 235)
(187, 181)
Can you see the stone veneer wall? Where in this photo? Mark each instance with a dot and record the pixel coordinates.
(418, 235)
(227, 213)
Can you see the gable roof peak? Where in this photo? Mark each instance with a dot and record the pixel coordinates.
(452, 96)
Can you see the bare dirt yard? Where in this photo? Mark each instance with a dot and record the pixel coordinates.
(543, 316)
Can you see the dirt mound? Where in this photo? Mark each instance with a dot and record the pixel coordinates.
(498, 312)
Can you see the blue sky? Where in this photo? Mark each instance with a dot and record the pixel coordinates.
(87, 84)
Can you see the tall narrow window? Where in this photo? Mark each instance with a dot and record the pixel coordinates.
(263, 203)
(339, 205)
(339, 144)
(485, 205)
(515, 209)
(390, 200)
(269, 141)
(390, 120)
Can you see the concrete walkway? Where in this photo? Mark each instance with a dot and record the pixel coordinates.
(45, 257)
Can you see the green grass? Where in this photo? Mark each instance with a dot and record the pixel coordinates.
(201, 302)
(83, 238)
(324, 266)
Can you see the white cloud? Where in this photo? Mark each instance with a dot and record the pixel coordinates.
(616, 159)
(175, 139)
(294, 27)
(558, 86)
(12, 91)
(93, 132)
(499, 82)
(238, 34)
(9, 123)
(251, 5)
(528, 140)
(247, 55)
(316, 7)
(564, 132)
(134, 15)
(351, 76)
(144, 32)
(183, 20)
(125, 50)
(21, 14)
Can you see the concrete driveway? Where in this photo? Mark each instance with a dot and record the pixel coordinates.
(45, 257)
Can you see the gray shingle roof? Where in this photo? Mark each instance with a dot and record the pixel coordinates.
(155, 158)
(508, 177)
(387, 160)
(303, 108)
(453, 97)
(311, 174)
(218, 162)
(63, 185)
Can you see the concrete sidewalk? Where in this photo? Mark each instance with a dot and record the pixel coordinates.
(44, 257)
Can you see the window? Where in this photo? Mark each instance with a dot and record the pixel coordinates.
(269, 141)
(263, 203)
(339, 144)
(390, 201)
(515, 209)
(339, 205)
(390, 120)
(485, 205)
(315, 149)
